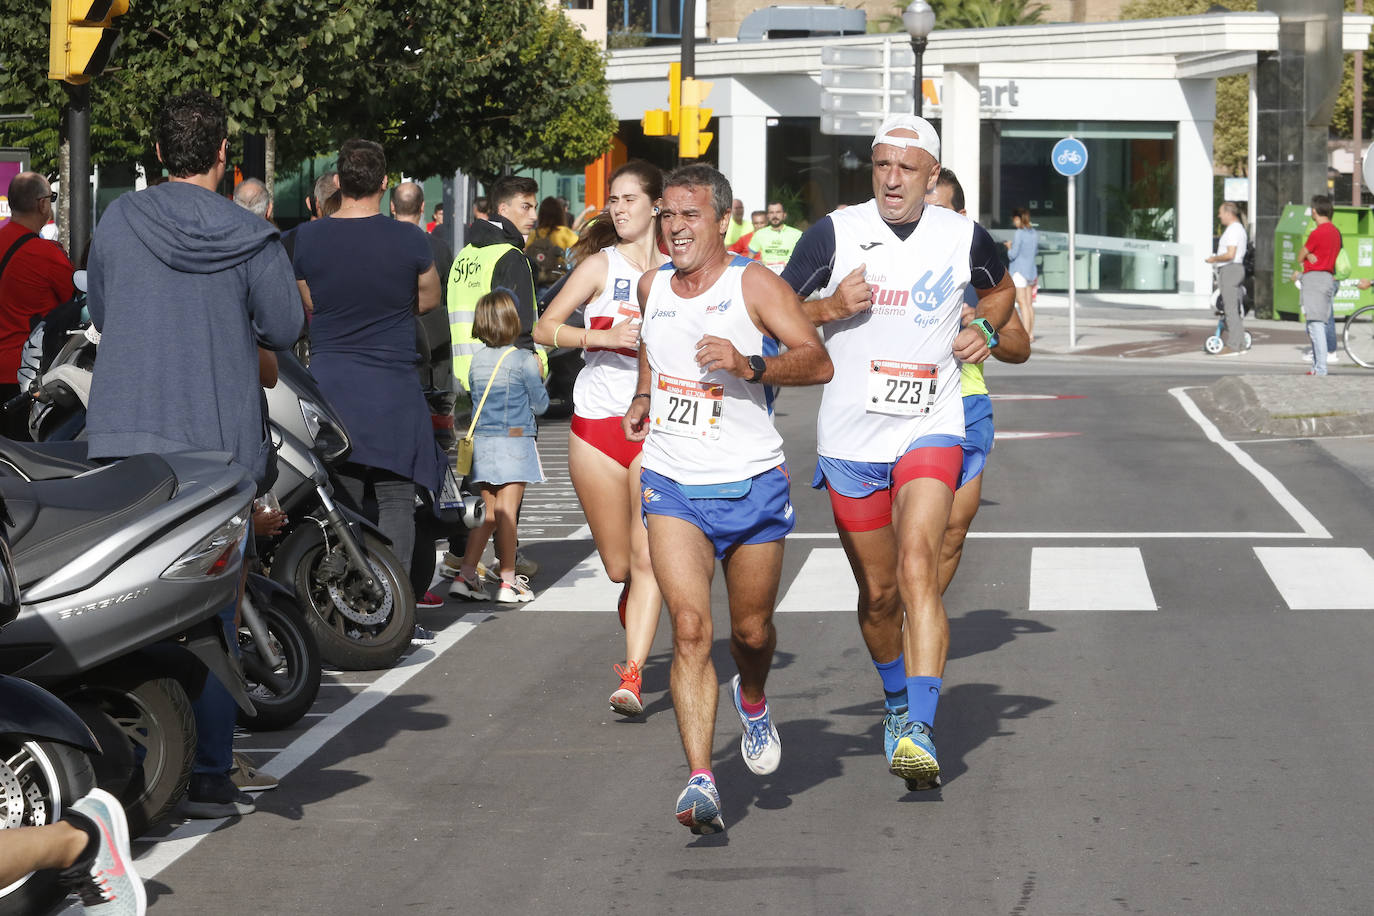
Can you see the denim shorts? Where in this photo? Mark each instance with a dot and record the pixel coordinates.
(762, 515)
(506, 459)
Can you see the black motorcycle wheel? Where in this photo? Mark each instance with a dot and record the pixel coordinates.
(38, 781)
(345, 642)
(295, 645)
(153, 718)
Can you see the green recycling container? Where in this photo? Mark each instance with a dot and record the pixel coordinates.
(1356, 225)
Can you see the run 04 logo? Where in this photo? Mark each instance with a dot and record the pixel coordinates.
(928, 294)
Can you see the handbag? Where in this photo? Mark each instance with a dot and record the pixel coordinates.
(463, 460)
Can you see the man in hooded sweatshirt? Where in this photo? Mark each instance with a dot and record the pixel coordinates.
(180, 261)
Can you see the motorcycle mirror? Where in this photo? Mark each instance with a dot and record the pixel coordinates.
(79, 280)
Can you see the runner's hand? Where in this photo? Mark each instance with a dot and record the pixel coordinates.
(971, 346)
(635, 423)
(853, 295)
(718, 353)
(623, 336)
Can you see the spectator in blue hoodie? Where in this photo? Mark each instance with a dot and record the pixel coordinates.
(184, 287)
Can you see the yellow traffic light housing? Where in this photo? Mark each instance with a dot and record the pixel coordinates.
(81, 37)
(692, 139)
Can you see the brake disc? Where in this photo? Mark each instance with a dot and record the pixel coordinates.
(355, 613)
(11, 798)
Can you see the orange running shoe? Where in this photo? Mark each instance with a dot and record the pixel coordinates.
(625, 701)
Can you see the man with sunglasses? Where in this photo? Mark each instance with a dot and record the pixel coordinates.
(35, 278)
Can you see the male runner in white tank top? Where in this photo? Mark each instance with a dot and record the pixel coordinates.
(713, 483)
(891, 423)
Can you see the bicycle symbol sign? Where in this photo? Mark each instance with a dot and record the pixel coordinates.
(1069, 157)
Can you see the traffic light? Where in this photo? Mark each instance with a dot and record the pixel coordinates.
(692, 139)
(660, 123)
(81, 37)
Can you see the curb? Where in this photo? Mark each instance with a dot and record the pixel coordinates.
(1236, 400)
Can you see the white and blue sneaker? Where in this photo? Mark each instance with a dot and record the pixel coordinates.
(698, 807)
(760, 744)
(104, 875)
(913, 758)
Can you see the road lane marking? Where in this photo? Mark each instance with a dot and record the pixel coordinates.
(1089, 579)
(182, 840)
(1311, 526)
(585, 587)
(824, 583)
(1093, 535)
(1321, 578)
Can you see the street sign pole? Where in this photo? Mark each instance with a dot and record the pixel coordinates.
(1070, 157)
(1073, 278)
(79, 190)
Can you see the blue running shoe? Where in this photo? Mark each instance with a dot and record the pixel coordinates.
(698, 807)
(913, 758)
(760, 744)
(894, 723)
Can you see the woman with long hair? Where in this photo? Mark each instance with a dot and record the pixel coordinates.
(1021, 251)
(614, 251)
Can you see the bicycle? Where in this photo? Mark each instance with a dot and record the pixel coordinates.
(1358, 336)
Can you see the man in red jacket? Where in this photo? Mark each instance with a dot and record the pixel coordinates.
(35, 278)
(1318, 279)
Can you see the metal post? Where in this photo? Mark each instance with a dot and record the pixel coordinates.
(918, 47)
(1358, 120)
(79, 194)
(688, 64)
(1073, 267)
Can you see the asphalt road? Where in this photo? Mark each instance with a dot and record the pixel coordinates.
(1157, 702)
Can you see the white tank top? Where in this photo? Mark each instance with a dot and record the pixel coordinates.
(706, 427)
(896, 378)
(607, 382)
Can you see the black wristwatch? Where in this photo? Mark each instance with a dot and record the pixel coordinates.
(758, 365)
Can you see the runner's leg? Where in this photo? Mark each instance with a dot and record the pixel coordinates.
(873, 558)
(645, 600)
(920, 512)
(684, 562)
(752, 573)
(600, 484)
(961, 514)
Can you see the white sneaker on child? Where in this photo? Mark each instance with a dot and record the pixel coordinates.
(516, 592)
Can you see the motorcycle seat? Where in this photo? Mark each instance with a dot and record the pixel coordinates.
(46, 460)
(56, 521)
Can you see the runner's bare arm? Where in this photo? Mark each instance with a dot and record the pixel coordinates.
(427, 291)
(996, 305)
(635, 422)
(1013, 343)
(776, 312)
(852, 296)
(582, 287)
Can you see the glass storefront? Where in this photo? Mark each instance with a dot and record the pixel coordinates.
(1126, 199)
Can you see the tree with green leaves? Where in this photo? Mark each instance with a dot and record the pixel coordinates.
(969, 14)
(445, 84)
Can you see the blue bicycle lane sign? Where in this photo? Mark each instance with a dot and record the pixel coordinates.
(1069, 157)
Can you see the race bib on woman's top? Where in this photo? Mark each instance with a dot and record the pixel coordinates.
(902, 389)
(682, 407)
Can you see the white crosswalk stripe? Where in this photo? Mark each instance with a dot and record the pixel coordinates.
(1089, 579)
(825, 583)
(1314, 578)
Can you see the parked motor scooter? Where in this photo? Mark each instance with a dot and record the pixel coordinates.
(45, 762)
(124, 570)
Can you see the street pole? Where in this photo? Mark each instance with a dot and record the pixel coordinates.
(688, 63)
(1358, 119)
(1073, 267)
(79, 186)
(918, 47)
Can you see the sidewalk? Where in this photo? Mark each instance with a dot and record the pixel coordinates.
(1264, 393)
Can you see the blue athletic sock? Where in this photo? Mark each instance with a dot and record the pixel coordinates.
(923, 694)
(893, 674)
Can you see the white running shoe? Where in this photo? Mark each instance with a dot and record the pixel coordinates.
(518, 592)
(468, 589)
(760, 744)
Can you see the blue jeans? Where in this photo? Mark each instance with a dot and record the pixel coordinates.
(1332, 345)
(1317, 333)
(216, 714)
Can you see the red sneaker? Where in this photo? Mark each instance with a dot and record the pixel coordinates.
(625, 701)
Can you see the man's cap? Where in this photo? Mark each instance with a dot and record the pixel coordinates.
(926, 138)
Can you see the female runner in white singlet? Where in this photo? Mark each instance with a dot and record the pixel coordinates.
(623, 244)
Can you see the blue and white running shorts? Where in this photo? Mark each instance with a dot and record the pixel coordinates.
(978, 433)
(758, 516)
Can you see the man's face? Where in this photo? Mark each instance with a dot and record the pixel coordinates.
(901, 178)
(439, 216)
(760, 220)
(693, 231)
(776, 215)
(1225, 216)
(737, 211)
(522, 210)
